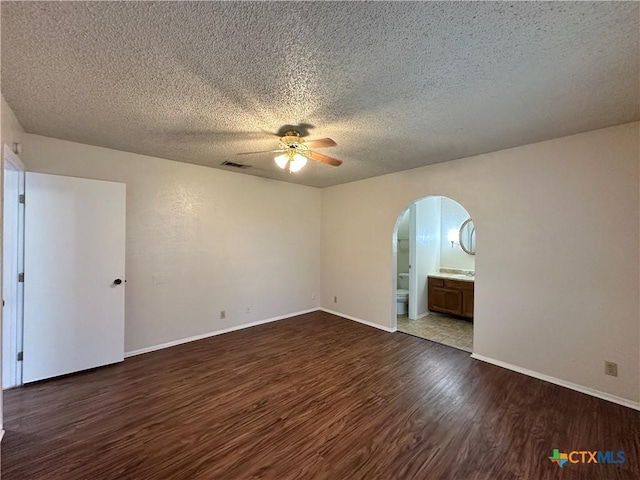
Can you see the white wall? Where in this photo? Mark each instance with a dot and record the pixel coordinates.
(453, 215)
(428, 222)
(200, 240)
(557, 260)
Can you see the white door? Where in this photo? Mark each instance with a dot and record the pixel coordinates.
(74, 275)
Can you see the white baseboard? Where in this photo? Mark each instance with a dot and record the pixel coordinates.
(1, 434)
(422, 315)
(214, 333)
(563, 383)
(359, 320)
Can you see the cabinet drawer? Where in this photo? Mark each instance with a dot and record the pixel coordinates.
(458, 284)
(436, 282)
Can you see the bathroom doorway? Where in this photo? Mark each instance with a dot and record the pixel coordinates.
(435, 272)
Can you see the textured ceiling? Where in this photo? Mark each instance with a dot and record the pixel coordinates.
(397, 85)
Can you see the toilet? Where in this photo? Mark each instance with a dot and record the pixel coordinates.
(402, 299)
(402, 294)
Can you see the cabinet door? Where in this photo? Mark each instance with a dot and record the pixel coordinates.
(467, 304)
(445, 300)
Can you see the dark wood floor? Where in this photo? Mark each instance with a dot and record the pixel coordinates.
(313, 397)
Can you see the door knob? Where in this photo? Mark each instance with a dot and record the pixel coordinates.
(117, 281)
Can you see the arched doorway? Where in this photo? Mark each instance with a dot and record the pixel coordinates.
(434, 271)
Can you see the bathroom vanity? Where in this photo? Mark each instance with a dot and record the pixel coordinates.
(451, 293)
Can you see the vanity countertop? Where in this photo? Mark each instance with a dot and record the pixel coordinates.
(453, 276)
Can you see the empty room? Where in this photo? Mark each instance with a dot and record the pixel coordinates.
(320, 240)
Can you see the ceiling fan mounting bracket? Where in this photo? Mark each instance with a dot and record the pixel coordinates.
(292, 141)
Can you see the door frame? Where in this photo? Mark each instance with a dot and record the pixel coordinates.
(12, 345)
(413, 271)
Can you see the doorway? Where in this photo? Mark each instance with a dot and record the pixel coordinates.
(434, 246)
(12, 267)
(63, 274)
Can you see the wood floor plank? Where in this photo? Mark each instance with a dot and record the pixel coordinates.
(312, 397)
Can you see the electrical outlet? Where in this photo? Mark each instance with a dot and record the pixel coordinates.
(611, 368)
(335, 299)
(223, 314)
(248, 309)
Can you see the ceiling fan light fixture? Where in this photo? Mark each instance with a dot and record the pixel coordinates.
(297, 161)
(295, 151)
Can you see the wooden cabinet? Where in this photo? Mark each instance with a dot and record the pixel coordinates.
(467, 302)
(450, 296)
(445, 300)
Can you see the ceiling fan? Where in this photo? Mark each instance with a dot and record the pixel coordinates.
(295, 151)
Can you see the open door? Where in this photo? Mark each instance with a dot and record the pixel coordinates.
(74, 275)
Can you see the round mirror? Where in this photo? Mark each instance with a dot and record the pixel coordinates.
(468, 237)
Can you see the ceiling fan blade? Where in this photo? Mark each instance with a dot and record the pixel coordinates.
(318, 157)
(320, 143)
(262, 151)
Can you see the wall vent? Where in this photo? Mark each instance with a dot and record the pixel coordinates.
(234, 164)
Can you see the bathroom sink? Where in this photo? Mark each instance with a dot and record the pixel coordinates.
(461, 276)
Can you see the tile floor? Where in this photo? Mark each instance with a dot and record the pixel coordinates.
(440, 328)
